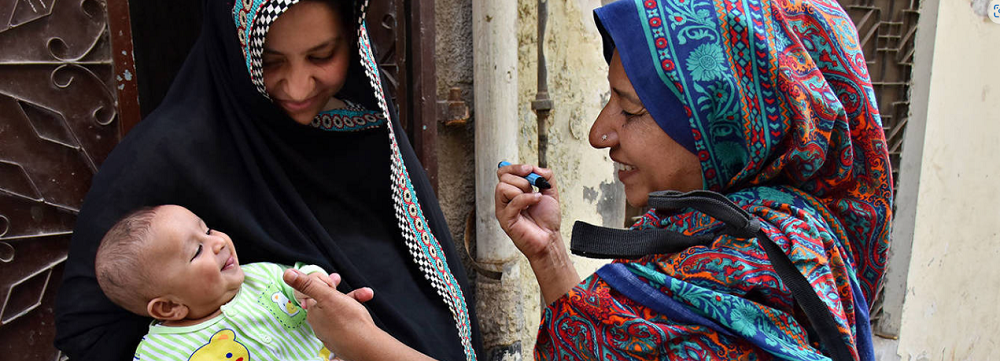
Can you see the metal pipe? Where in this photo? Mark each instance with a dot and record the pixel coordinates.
(496, 127)
(542, 105)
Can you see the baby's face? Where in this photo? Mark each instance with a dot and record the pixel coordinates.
(192, 264)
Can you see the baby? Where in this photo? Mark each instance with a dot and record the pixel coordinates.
(164, 262)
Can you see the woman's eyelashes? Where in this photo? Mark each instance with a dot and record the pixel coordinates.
(321, 58)
(270, 63)
(631, 116)
(315, 59)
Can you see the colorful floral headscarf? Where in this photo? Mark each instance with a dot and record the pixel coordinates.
(767, 93)
(775, 100)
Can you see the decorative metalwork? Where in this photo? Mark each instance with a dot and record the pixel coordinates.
(388, 33)
(886, 29)
(58, 122)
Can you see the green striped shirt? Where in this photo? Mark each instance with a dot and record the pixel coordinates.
(263, 322)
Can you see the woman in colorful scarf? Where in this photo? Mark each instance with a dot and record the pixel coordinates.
(766, 102)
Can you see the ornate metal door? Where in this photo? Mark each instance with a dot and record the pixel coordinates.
(886, 29)
(61, 91)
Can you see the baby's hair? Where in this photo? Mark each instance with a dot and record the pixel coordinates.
(119, 263)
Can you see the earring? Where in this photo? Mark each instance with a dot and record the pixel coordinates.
(604, 138)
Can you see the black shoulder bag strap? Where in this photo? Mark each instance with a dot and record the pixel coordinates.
(599, 242)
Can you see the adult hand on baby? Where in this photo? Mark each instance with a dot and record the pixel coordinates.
(343, 325)
(320, 277)
(530, 219)
(361, 295)
(330, 313)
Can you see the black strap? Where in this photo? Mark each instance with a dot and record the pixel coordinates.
(599, 242)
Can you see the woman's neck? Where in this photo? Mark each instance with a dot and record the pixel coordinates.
(334, 103)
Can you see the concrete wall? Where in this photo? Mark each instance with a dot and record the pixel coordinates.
(951, 309)
(578, 87)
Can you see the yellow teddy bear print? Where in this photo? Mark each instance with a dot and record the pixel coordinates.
(222, 346)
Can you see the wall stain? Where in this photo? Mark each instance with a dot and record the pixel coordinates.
(611, 204)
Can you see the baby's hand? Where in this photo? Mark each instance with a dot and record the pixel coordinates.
(332, 281)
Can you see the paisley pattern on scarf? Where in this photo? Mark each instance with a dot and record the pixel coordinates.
(780, 111)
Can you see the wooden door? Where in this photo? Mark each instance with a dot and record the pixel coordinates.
(403, 34)
(61, 106)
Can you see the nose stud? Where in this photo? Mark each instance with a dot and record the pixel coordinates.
(604, 137)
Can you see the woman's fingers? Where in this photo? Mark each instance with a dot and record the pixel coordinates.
(523, 201)
(506, 209)
(549, 176)
(305, 284)
(516, 169)
(363, 294)
(505, 192)
(517, 181)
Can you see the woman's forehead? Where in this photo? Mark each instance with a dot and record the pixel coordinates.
(307, 26)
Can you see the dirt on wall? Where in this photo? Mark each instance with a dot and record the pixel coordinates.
(578, 87)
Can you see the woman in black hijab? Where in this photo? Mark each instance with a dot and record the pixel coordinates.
(341, 188)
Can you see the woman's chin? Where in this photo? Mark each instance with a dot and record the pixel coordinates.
(636, 199)
(302, 118)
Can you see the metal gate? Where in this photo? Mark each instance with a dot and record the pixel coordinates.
(886, 29)
(59, 118)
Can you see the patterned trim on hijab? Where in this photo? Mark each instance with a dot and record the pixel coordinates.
(340, 120)
(420, 241)
(353, 118)
(253, 18)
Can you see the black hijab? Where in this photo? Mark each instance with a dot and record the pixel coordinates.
(356, 203)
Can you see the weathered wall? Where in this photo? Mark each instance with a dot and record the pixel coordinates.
(950, 310)
(578, 87)
(453, 60)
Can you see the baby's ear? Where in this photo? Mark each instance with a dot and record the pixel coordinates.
(164, 309)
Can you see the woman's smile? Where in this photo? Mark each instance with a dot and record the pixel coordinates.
(296, 106)
(296, 66)
(624, 171)
(646, 158)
